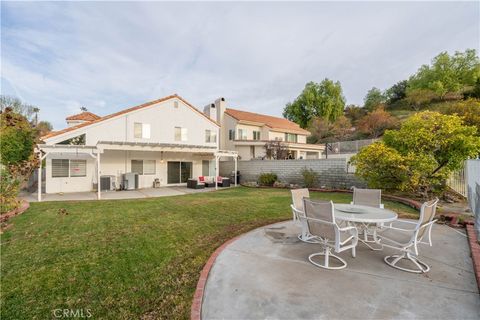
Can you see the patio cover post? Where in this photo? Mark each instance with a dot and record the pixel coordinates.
(216, 172)
(39, 183)
(98, 176)
(235, 171)
(39, 177)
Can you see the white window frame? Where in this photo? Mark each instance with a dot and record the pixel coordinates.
(210, 136)
(141, 130)
(68, 169)
(242, 134)
(144, 171)
(182, 135)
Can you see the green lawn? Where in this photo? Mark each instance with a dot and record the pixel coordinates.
(127, 259)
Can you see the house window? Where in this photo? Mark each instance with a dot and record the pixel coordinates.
(242, 134)
(210, 136)
(148, 166)
(252, 152)
(256, 135)
(231, 134)
(60, 168)
(78, 168)
(205, 168)
(137, 166)
(143, 167)
(290, 137)
(141, 130)
(180, 134)
(64, 168)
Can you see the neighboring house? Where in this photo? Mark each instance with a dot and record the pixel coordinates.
(166, 139)
(81, 118)
(248, 133)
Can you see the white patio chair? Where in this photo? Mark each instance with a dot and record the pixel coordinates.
(320, 217)
(299, 213)
(369, 198)
(404, 235)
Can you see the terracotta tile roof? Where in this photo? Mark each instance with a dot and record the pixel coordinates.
(85, 116)
(274, 123)
(147, 104)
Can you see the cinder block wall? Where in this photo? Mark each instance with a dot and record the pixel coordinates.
(332, 173)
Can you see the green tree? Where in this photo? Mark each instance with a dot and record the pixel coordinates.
(468, 110)
(17, 138)
(420, 156)
(396, 92)
(448, 74)
(374, 99)
(324, 99)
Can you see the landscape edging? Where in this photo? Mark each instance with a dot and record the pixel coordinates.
(475, 250)
(196, 310)
(23, 207)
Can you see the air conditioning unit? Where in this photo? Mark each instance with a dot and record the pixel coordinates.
(107, 183)
(130, 181)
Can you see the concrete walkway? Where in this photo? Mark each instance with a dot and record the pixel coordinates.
(266, 275)
(116, 195)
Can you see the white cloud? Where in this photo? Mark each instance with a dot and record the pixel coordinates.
(108, 56)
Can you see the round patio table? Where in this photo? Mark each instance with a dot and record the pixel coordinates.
(363, 214)
(366, 219)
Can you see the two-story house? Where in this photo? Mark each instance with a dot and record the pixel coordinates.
(248, 133)
(165, 141)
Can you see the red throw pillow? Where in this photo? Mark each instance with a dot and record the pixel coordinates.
(201, 179)
(219, 179)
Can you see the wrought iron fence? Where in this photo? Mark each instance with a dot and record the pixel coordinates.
(457, 181)
(342, 147)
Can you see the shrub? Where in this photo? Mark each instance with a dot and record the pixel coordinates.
(267, 179)
(420, 155)
(309, 177)
(9, 188)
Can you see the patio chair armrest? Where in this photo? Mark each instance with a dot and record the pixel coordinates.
(390, 224)
(347, 228)
(297, 212)
(321, 221)
(390, 227)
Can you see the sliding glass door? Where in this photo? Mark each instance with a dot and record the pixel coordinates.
(178, 172)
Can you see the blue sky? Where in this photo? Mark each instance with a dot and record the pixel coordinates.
(108, 56)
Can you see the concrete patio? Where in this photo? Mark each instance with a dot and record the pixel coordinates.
(265, 274)
(116, 195)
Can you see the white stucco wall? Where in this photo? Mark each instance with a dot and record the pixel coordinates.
(162, 117)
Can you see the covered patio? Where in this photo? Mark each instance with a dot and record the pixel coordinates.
(168, 165)
(266, 274)
(116, 195)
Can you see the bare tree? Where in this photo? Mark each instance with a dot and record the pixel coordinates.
(276, 150)
(83, 109)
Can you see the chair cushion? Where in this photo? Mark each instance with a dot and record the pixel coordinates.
(201, 179)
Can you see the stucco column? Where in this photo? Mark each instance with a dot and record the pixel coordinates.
(40, 177)
(235, 171)
(216, 172)
(99, 196)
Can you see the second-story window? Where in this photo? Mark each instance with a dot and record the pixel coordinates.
(181, 134)
(231, 134)
(242, 134)
(210, 136)
(141, 130)
(256, 135)
(290, 137)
